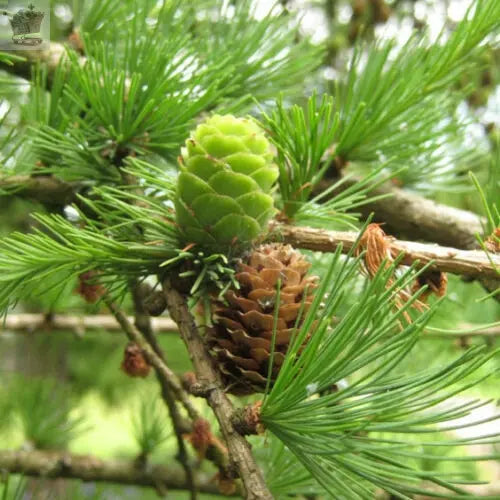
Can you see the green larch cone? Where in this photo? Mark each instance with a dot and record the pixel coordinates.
(223, 193)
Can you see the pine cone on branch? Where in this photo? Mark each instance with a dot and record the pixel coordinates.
(241, 338)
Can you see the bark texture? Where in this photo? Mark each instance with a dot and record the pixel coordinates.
(469, 263)
(239, 449)
(87, 468)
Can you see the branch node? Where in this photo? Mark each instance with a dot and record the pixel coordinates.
(247, 421)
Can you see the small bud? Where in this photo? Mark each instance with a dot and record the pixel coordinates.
(226, 485)
(492, 243)
(188, 380)
(378, 249)
(378, 254)
(134, 364)
(201, 438)
(88, 288)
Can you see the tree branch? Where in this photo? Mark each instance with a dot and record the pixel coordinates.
(416, 217)
(78, 324)
(161, 368)
(472, 263)
(405, 211)
(168, 379)
(43, 188)
(88, 468)
(27, 322)
(143, 323)
(412, 216)
(208, 376)
(179, 429)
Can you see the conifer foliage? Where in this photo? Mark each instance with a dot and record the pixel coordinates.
(182, 164)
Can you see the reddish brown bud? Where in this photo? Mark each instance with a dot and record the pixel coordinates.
(226, 485)
(88, 288)
(134, 364)
(492, 243)
(201, 438)
(188, 380)
(76, 41)
(378, 248)
(378, 254)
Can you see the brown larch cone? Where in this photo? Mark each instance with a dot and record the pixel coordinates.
(243, 324)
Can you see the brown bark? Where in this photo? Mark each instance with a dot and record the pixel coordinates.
(469, 263)
(29, 322)
(87, 468)
(179, 423)
(163, 371)
(417, 218)
(45, 189)
(208, 376)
